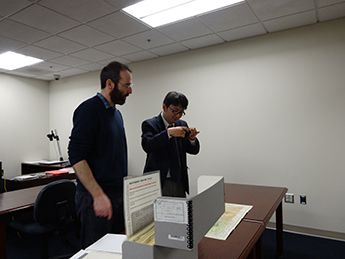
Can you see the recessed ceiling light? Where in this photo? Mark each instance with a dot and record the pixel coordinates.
(158, 12)
(11, 60)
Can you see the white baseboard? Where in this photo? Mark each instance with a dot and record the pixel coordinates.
(310, 231)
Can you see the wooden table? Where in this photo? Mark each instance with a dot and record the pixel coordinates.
(246, 238)
(12, 185)
(243, 241)
(29, 168)
(240, 244)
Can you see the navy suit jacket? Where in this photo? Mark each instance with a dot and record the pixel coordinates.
(156, 143)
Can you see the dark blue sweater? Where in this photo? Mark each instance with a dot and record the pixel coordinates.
(98, 136)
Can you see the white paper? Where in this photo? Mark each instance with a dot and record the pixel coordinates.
(168, 210)
(140, 192)
(80, 255)
(232, 216)
(110, 243)
(100, 255)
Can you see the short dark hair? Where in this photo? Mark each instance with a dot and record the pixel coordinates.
(176, 99)
(112, 71)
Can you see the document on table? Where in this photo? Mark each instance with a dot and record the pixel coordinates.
(82, 254)
(99, 255)
(232, 216)
(107, 247)
(140, 193)
(109, 243)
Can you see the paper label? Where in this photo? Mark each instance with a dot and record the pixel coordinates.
(176, 238)
(175, 211)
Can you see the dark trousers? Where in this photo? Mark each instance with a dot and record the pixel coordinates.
(92, 227)
(173, 189)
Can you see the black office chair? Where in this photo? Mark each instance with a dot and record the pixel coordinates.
(53, 209)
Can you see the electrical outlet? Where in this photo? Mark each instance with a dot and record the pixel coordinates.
(303, 199)
(289, 198)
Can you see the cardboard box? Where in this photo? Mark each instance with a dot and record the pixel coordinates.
(181, 223)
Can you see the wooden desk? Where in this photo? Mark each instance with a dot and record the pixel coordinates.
(17, 185)
(240, 244)
(29, 168)
(265, 200)
(246, 238)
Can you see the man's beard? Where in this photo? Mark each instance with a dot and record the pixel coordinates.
(117, 97)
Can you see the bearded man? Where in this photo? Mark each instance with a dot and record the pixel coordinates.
(98, 153)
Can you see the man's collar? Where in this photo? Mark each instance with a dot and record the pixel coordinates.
(105, 102)
(166, 124)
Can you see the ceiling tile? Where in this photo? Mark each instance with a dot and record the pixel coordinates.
(169, 49)
(121, 3)
(118, 59)
(242, 32)
(141, 55)
(53, 22)
(91, 67)
(184, 30)
(332, 12)
(148, 39)
(74, 35)
(72, 72)
(118, 48)
(59, 44)
(91, 55)
(17, 73)
(20, 32)
(323, 3)
(229, 18)
(33, 71)
(10, 7)
(202, 41)
(80, 10)
(38, 52)
(119, 25)
(270, 9)
(9, 45)
(86, 35)
(69, 61)
(52, 67)
(290, 21)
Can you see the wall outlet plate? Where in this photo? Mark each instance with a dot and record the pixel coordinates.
(303, 199)
(289, 198)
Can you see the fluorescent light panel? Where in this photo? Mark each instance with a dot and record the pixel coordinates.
(159, 12)
(11, 60)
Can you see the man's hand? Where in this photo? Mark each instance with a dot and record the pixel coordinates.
(192, 133)
(101, 203)
(102, 206)
(178, 131)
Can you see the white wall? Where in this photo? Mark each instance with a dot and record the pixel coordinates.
(24, 122)
(270, 110)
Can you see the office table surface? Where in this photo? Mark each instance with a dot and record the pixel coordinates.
(239, 244)
(265, 199)
(18, 200)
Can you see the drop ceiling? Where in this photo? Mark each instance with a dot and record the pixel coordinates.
(80, 36)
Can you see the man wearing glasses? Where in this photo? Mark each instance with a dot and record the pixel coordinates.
(167, 139)
(98, 152)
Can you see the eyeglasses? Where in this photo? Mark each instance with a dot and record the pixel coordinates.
(176, 112)
(127, 86)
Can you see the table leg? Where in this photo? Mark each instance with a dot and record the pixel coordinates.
(259, 249)
(2, 239)
(279, 230)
